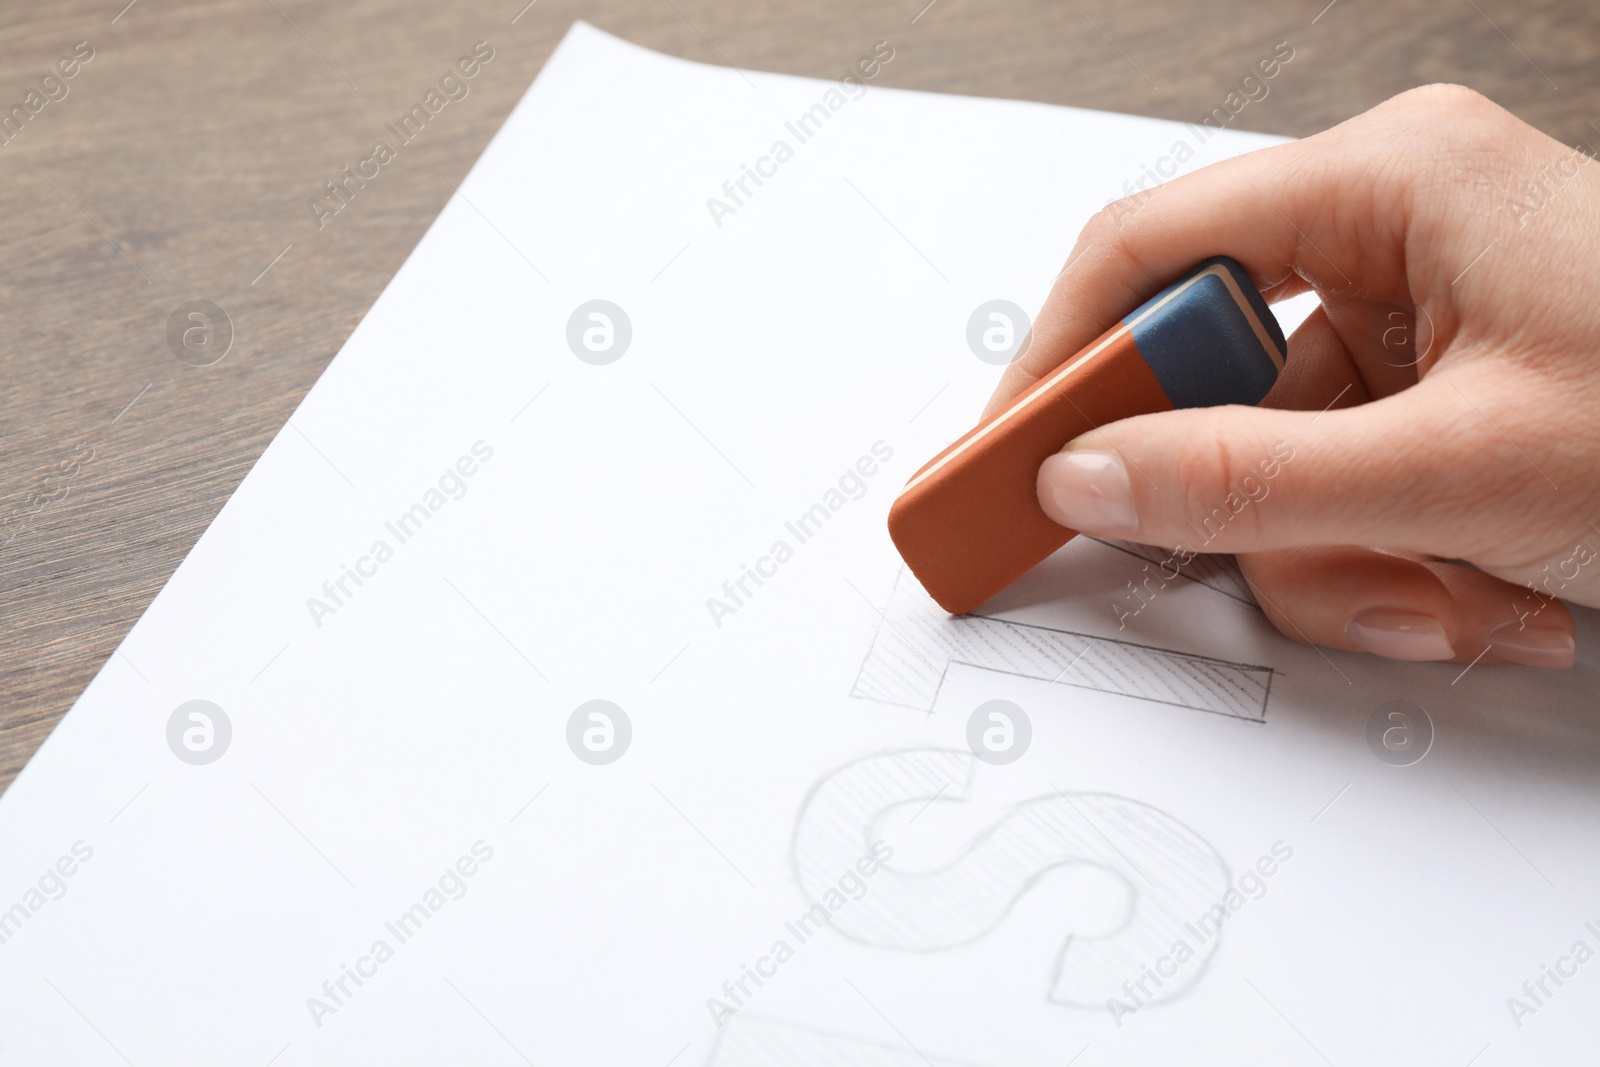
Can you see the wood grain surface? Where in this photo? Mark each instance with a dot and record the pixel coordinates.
(179, 163)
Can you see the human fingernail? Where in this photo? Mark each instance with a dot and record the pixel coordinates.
(1088, 491)
(1532, 646)
(1398, 634)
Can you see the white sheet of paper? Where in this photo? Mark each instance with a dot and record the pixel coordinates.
(808, 347)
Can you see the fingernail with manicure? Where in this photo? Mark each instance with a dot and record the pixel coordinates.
(1532, 646)
(1088, 491)
(1398, 634)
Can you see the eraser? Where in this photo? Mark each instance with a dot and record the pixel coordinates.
(968, 523)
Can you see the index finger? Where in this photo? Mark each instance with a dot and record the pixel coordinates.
(1332, 210)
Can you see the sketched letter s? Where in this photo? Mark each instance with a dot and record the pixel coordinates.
(966, 899)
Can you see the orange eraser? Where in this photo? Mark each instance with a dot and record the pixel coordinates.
(969, 522)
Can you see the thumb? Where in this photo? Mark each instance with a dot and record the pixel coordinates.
(1399, 473)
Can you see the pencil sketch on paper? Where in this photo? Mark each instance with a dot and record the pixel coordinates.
(917, 642)
(1169, 874)
(1217, 572)
(753, 1041)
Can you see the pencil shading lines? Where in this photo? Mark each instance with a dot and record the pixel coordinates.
(1304, 637)
(761, 1041)
(1168, 873)
(912, 652)
(910, 642)
(1219, 573)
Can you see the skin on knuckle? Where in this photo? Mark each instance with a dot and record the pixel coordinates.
(1112, 235)
(1447, 97)
(1443, 132)
(1103, 229)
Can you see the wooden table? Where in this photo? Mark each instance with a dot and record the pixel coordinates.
(178, 164)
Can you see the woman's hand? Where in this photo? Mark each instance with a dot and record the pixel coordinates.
(1442, 405)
